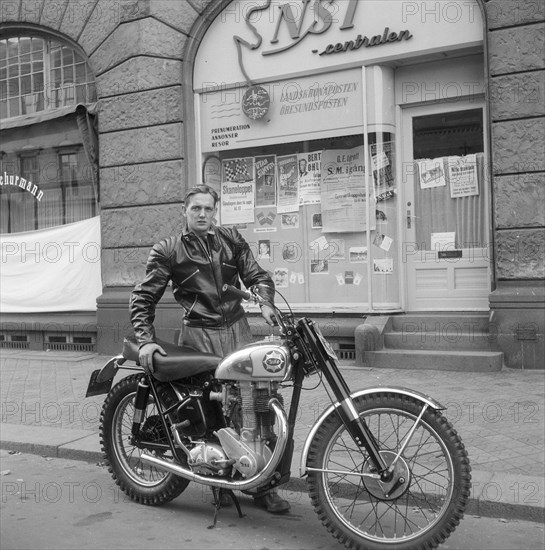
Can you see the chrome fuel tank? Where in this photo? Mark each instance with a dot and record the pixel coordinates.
(263, 360)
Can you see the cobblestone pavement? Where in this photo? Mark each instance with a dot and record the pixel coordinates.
(499, 415)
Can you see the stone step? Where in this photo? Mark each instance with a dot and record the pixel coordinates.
(440, 340)
(470, 361)
(444, 323)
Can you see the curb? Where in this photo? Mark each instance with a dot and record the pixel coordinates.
(493, 494)
(71, 444)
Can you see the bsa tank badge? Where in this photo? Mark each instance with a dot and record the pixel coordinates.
(256, 102)
(273, 361)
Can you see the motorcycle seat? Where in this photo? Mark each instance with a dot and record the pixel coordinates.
(180, 362)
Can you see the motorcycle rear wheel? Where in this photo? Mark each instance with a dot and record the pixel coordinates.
(142, 482)
(358, 510)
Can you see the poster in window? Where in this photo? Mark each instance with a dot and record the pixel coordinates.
(264, 248)
(316, 221)
(431, 173)
(357, 254)
(237, 191)
(443, 241)
(288, 188)
(462, 176)
(319, 267)
(344, 196)
(290, 220)
(383, 266)
(382, 161)
(281, 279)
(383, 241)
(310, 174)
(381, 216)
(291, 252)
(265, 181)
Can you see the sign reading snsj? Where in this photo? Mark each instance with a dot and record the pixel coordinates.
(299, 24)
(293, 22)
(272, 39)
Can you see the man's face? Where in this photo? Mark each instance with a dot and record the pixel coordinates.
(199, 213)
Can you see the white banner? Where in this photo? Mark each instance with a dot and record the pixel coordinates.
(53, 269)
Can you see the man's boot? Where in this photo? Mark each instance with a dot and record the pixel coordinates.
(272, 502)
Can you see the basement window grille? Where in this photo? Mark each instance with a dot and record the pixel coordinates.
(345, 351)
(14, 341)
(68, 346)
(63, 342)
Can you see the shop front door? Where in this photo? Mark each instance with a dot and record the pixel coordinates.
(445, 213)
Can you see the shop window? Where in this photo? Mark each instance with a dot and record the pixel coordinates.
(58, 189)
(38, 74)
(307, 216)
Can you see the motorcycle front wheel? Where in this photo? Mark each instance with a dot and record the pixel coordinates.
(142, 482)
(421, 509)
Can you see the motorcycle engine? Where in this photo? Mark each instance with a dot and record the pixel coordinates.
(244, 444)
(249, 439)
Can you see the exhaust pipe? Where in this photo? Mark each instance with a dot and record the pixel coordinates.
(250, 483)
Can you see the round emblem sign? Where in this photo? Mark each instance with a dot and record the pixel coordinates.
(256, 102)
(273, 361)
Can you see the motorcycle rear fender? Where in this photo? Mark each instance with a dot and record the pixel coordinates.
(101, 380)
(421, 397)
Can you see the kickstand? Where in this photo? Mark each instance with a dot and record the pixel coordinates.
(218, 493)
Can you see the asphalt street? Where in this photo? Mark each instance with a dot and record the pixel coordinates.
(55, 503)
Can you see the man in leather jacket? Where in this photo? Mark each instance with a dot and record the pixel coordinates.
(197, 264)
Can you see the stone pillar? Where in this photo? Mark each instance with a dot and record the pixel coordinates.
(143, 160)
(516, 40)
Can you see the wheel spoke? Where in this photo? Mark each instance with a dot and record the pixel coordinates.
(130, 455)
(376, 511)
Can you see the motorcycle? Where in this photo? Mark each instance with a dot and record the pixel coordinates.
(384, 467)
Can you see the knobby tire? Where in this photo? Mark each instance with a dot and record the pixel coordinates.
(421, 515)
(142, 482)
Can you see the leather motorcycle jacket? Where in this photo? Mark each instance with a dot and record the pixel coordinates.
(197, 272)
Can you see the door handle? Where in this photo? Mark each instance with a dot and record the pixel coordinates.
(409, 216)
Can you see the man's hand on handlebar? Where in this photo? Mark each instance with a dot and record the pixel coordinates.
(145, 355)
(268, 314)
(267, 311)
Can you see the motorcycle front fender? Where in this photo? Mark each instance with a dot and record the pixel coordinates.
(418, 396)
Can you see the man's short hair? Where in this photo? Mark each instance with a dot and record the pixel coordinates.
(201, 189)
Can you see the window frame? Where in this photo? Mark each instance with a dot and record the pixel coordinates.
(48, 91)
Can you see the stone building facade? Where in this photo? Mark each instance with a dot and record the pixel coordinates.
(516, 39)
(142, 54)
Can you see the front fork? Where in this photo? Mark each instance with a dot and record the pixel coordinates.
(360, 432)
(356, 426)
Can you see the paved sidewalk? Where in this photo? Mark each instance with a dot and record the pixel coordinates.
(499, 415)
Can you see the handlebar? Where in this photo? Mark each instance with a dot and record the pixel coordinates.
(244, 294)
(254, 296)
